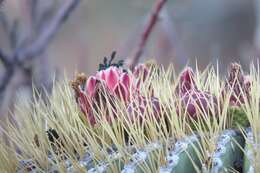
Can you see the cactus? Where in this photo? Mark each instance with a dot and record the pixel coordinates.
(119, 120)
(143, 160)
(184, 157)
(229, 152)
(249, 151)
(114, 163)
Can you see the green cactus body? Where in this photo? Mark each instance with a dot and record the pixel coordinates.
(114, 164)
(248, 157)
(183, 157)
(87, 161)
(228, 154)
(145, 160)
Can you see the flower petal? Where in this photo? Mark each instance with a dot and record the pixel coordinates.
(125, 80)
(141, 71)
(84, 103)
(90, 85)
(112, 78)
(121, 92)
(101, 75)
(186, 82)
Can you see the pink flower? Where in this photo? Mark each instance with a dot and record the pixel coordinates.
(141, 71)
(117, 84)
(85, 105)
(112, 80)
(112, 76)
(138, 109)
(247, 82)
(238, 85)
(193, 101)
(186, 81)
(197, 103)
(90, 86)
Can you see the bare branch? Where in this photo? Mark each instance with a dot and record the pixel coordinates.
(147, 31)
(5, 80)
(11, 30)
(4, 22)
(4, 58)
(23, 53)
(40, 44)
(1, 1)
(8, 72)
(41, 11)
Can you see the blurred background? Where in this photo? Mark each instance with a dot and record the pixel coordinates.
(187, 31)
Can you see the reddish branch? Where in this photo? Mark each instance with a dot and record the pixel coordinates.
(147, 32)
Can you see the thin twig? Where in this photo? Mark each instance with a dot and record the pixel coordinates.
(5, 81)
(8, 72)
(3, 21)
(4, 58)
(147, 32)
(41, 13)
(1, 1)
(21, 54)
(40, 44)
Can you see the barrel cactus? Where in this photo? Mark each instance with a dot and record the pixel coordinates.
(144, 120)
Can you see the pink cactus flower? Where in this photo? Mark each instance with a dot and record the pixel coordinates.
(90, 85)
(238, 85)
(115, 82)
(85, 105)
(186, 82)
(198, 103)
(138, 109)
(118, 84)
(193, 101)
(141, 71)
